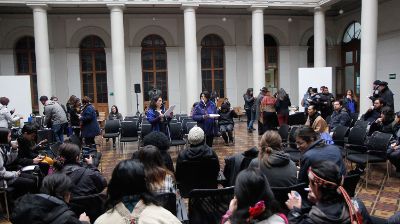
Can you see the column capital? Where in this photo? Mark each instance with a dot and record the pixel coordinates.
(320, 9)
(112, 6)
(193, 6)
(258, 7)
(41, 6)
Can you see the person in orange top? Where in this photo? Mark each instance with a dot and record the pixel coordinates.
(269, 119)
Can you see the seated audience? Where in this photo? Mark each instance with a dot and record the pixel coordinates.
(340, 116)
(274, 163)
(114, 115)
(22, 182)
(87, 180)
(314, 149)
(130, 201)
(161, 141)
(386, 94)
(50, 206)
(159, 179)
(197, 152)
(374, 112)
(225, 121)
(385, 122)
(254, 201)
(393, 151)
(316, 122)
(28, 150)
(331, 203)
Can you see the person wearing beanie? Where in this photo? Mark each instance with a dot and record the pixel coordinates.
(197, 151)
(386, 94)
(375, 93)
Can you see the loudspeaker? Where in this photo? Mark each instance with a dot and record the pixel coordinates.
(137, 88)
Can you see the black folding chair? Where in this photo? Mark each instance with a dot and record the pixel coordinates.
(112, 129)
(167, 201)
(129, 132)
(350, 183)
(176, 135)
(93, 205)
(144, 130)
(209, 205)
(291, 147)
(284, 132)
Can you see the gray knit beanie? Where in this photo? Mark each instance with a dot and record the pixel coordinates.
(196, 136)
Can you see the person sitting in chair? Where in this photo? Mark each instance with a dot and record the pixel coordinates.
(225, 121)
(339, 116)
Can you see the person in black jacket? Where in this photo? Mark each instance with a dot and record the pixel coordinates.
(339, 116)
(87, 180)
(249, 108)
(374, 112)
(331, 203)
(375, 91)
(73, 109)
(386, 94)
(50, 206)
(225, 121)
(282, 106)
(385, 122)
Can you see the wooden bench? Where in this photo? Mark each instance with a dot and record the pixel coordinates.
(239, 111)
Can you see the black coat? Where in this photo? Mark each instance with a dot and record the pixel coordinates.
(86, 180)
(371, 115)
(387, 95)
(282, 106)
(339, 118)
(42, 209)
(248, 101)
(27, 151)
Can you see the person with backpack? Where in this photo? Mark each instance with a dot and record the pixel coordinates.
(50, 206)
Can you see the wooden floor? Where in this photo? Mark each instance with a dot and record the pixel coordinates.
(382, 198)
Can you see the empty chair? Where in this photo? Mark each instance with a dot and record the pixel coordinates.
(297, 119)
(356, 139)
(284, 132)
(173, 121)
(112, 129)
(339, 134)
(93, 205)
(167, 201)
(131, 118)
(184, 122)
(291, 147)
(144, 130)
(176, 134)
(350, 183)
(190, 125)
(209, 205)
(129, 131)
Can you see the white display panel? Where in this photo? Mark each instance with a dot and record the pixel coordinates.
(17, 88)
(313, 77)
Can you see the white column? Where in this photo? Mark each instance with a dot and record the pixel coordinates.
(319, 38)
(118, 57)
(369, 35)
(257, 29)
(192, 92)
(42, 52)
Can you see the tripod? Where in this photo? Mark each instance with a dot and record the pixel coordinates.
(137, 105)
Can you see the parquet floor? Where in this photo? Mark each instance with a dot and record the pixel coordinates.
(382, 198)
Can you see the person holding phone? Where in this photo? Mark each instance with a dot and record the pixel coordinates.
(156, 117)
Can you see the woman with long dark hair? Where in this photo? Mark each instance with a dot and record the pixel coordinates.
(268, 117)
(350, 102)
(89, 126)
(331, 203)
(201, 114)
(253, 202)
(114, 115)
(282, 106)
(273, 162)
(129, 199)
(156, 117)
(74, 109)
(249, 101)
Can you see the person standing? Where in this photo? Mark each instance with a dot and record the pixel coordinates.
(74, 109)
(386, 94)
(350, 102)
(201, 114)
(249, 108)
(114, 115)
(304, 101)
(55, 117)
(258, 113)
(6, 116)
(156, 117)
(268, 116)
(282, 106)
(89, 125)
(375, 91)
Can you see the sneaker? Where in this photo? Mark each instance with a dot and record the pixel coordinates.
(249, 131)
(107, 139)
(253, 129)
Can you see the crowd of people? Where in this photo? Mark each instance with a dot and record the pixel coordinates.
(43, 195)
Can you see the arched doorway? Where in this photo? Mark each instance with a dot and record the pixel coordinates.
(94, 71)
(154, 68)
(310, 52)
(350, 77)
(271, 63)
(213, 65)
(26, 65)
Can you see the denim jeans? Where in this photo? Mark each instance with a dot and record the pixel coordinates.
(58, 130)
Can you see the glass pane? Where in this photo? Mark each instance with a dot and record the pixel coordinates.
(88, 85)
(349, 77)
(218, 57)
(98, 43)
(86, 61)
(206, 80)
(219, 87)
(357, 83)
(148, 84)
(100, 61)
(205, 57)
(219, 74)
(101, 88)
(162, 84)
(22, 63)
(161, 60)
(147, 59)
(272, 56)
(349, 57)
(34, 91)
(33, 58)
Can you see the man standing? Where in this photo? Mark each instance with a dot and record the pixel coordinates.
(339, 116)
(386, 94)
(55, 117)
(375, 94)
(257, 104)
(325, 103)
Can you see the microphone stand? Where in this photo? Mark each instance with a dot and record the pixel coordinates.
(137, 105)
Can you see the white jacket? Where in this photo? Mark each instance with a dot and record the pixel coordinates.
(5, 117)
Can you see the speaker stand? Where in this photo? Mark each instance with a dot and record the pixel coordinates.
(137, 105)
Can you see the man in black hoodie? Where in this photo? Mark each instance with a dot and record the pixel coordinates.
(199, 158)
(386, 94)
